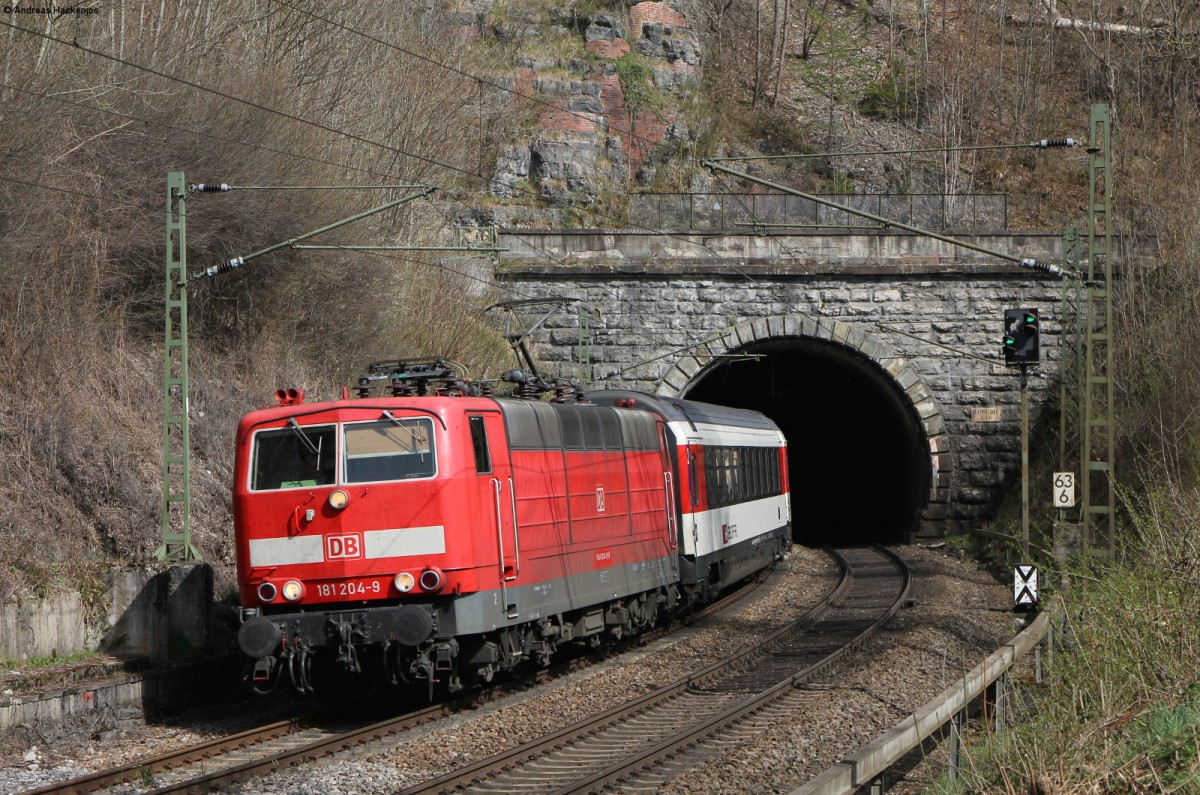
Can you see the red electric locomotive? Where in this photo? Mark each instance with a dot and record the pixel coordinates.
(448, 537)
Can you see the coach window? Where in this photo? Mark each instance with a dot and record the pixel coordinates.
(710, 457)
(760, 471)
(754, 472)
(479, 442)
(693, 486)
(392, 449)
(734, 493)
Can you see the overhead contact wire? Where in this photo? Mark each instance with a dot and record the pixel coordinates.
(349, 135)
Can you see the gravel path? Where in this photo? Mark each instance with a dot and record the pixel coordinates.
(960, 615)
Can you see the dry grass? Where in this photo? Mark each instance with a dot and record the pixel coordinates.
(81, 308)
(1120, 711)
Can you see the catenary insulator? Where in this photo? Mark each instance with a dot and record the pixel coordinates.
(1044, 267)
(1049, 143)
(224, 267)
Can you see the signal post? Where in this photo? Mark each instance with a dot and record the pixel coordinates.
(1022, 349)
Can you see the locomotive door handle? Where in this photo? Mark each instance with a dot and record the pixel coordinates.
(500, 540)
(512, 497)
(498, 490)
(499, 523)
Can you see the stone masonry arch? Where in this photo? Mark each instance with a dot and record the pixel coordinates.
(702, 359)
(880, 349)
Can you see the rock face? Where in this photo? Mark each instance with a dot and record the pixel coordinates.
(512, 166)
(659, 41)
(588, 144)
(604, 27)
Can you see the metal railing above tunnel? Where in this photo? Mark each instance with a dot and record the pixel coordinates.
(964, 211)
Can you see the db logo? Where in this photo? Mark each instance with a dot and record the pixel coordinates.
(347, 547)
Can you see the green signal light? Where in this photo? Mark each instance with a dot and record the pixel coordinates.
(1010, 341)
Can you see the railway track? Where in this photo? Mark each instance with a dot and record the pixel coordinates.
(640, 745)
(254, 752)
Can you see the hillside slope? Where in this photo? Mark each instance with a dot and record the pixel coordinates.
(522, 113)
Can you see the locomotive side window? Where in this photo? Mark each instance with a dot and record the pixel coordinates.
(483, 456)
(293, 457)
(389, 450)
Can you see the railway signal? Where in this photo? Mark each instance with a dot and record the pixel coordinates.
(1021, 338)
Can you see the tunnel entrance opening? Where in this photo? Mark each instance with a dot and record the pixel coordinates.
(858, 455)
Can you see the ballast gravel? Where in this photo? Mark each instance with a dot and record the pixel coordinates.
(959, 614)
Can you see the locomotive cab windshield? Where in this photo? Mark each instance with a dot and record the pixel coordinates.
(294, 457)
(391, 449)
(377, 451)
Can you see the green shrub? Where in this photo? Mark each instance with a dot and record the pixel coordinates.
(637, 84)
(896, 96)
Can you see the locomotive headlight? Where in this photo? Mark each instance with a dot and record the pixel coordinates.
(404, 582)
(338, 499)
(292, 590)
(267, 591)
(431, 579)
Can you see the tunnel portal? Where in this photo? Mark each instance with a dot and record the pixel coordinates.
(859, 462)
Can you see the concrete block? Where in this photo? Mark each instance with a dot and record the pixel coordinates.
(137, 615)
(189, 606)
(54, 626)
(153, 609)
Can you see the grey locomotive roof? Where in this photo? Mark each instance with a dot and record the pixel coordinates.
(685, 410)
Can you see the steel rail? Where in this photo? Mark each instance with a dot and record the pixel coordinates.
(186, 756)
(210, 750)
(483, 773)
(697, 734)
